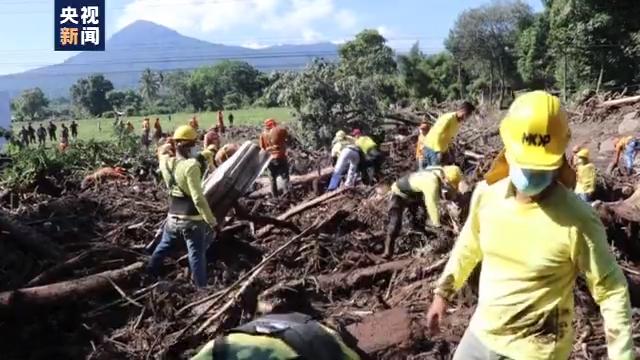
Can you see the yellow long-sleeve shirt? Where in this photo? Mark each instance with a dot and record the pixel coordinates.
(442, 132)
(531, 254)
(188, 183)
(426, 183)
(366, 144)
(585, 178)
(244, 346)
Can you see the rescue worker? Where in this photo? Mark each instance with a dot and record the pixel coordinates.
(441, 134)
(32, 134)
(64, 134)
(371, 157)
(42, 135)
(190, 218)
(631, 149)
(230, 119)
(157, 130)
(274, 139)
(220, 123)
(585, 175)
(348, 162)
(129, 129)
(339, 142)
(225, 153)
(24, 136)
(211, 147)
(620, 146)
(427, 184)
(279, 337)
(74, 130)
(146, 133)
(533, 236)
(52, 128)
(193, 123)
(424, 130)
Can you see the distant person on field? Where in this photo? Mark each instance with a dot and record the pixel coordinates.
(220, 122)
(74, 130)
(42, 135)
(157, 130)
(64, 138)
(194, 123)
(146, 133)
(52, 131)
(441, 134)
(24, 136)
(129, 129)
(32, 134)
(230, 119)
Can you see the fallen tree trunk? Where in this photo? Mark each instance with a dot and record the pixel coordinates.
(618, 102)
(294, 180)
(29, 239)
(67, 290)
(300, 208)
(51, 273)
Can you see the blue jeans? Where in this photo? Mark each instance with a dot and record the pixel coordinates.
(431, 158)
(628, 160)
(196, 234)
(585, 197)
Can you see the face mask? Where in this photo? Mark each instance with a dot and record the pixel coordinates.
(530, 182)
(194, 152)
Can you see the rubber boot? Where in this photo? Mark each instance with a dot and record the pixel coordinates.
(285, 185)
(274, 188)
(335, 182)
(389, 247)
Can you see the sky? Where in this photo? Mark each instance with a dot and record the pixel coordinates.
(26, 26)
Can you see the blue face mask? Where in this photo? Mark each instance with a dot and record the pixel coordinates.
(530, 182)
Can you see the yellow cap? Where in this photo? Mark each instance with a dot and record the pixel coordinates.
(340, 134)
(535, 132)
(185, 132)
(583, 153)
(453, 175)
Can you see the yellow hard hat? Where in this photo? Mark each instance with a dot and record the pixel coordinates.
(453, 175)
(185, 132)
(583, 153)
(340, 134)
(535, 132)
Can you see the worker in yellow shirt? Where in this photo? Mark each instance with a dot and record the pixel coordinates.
(370, 154)
(424, 130)
(428, 185)
(441, 134)
(533, 237)
(585, 175)
(339, 142)
(190, 218)
(280, 337)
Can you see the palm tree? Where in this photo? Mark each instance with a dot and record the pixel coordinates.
(149, 85)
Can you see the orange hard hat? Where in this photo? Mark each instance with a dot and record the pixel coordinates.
(211, 137)
(270, 123)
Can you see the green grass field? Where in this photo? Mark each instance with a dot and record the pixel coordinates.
(88, 128)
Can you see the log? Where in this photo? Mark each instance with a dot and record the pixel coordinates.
(294, 180)
(302, 207)
(47, 275)
(357, 277)
(29, 239)
(618, 102)
(67, 290)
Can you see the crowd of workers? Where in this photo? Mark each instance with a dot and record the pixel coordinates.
(530, 224)
(28, 135)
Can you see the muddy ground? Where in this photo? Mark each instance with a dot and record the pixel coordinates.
(332, 271)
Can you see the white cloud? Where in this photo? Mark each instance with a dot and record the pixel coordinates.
(254, 45)
(385, 31)
(277, 18)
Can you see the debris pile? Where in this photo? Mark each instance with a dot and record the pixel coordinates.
(78, 261)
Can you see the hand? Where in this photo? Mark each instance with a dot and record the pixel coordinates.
(436, 314)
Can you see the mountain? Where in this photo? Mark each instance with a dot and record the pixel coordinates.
(144, 44)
